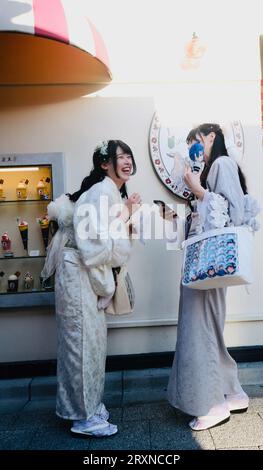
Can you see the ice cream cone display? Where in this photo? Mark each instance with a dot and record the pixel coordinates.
(28, 281)
(13, 282)
(21, 190)
(44, 225)
(23, 228)
(42, 189)
(2, 189)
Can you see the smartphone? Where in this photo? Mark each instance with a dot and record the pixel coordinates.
(166, 209)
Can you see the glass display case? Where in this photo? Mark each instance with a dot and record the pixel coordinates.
(27, 184)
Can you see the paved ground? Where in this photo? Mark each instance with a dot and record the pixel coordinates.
(136, 401)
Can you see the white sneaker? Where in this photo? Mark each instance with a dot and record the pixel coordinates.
(94, 426)
(237, 403)
(102, 412)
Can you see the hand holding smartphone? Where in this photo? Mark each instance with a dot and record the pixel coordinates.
(165, 211)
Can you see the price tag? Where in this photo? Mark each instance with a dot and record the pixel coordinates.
(34, 253)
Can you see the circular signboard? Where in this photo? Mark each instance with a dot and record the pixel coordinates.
(169, 151)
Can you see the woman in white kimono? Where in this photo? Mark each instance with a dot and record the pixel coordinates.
(204, 381)
(92, 238)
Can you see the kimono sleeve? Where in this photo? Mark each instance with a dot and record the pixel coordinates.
(101, 236)
(223, 201)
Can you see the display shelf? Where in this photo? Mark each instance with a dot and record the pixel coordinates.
(28, 183)
(21, 257)
(27, 299)
(28, 292)
(21, 201)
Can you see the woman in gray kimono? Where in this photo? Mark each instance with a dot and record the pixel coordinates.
(92, 238)
(204, 381)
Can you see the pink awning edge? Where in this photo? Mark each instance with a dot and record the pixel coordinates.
(54, 19)
(53, 25)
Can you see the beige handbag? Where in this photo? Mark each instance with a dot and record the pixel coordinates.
(122, 301)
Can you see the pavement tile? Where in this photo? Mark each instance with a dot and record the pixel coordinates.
(14, 388)
(144, 396)
(62, 440)
(148, 411)
(147, 378)
(12, 405)
(16, 440)
(240, 448)
(7, 421)
(254, 390)
(255, 405)
(43, 387)
(135, 437)
(116, 415)
(113, 381)
(32, 419)
(43, 404)
(112, 399)
(250, 373)
(243, 430)
(176, 435)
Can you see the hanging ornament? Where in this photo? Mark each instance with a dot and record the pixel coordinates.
(194, 51)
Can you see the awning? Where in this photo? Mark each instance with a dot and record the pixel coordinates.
(48, 44)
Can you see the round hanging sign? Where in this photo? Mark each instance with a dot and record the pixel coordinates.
(169, 151)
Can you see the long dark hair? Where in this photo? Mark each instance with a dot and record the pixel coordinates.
(104, 154)
(218, 150)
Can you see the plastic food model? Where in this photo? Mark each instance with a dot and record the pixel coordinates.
(28, 281)
(21, 190)
(44, 225)
(42, 191)
(23, 228)
(1, 189)
(6, 242)
(13, 282)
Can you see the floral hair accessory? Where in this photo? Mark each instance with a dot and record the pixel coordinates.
(102, 147)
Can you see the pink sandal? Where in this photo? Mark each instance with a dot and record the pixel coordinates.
(206, 422)
(237, 403)
(217, 415)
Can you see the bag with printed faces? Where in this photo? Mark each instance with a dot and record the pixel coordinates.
(218, 258)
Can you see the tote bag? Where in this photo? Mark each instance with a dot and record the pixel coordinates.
(218, 258)
(123, 299)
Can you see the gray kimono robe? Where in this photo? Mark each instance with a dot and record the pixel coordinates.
(203, 371)
(83, 265)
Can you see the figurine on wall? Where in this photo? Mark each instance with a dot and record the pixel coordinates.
(2, 189)
(42, 191)
(6, 245)
(21, 190)
(28, 281)
(23, 228)
(13, 282)
(197, 159)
